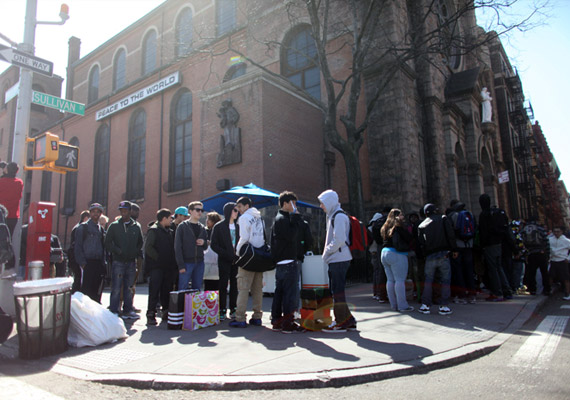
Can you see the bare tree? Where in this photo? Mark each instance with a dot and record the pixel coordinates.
(430, 35)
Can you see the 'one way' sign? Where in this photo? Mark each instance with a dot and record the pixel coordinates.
(21, 59)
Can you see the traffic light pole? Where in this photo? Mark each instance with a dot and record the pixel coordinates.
(22, 120)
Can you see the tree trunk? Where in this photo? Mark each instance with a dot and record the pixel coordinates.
(354, 180)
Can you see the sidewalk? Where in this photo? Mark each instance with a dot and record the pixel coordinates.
(387, 344)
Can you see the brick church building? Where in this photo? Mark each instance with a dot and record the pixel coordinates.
(172, 116)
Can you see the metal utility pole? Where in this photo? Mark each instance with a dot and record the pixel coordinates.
(22, 120)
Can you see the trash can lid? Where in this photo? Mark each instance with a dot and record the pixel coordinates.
(42, 286)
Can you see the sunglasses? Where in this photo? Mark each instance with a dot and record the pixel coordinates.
(199, 209)
(235, 210)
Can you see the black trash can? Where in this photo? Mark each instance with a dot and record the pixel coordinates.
(42, 316)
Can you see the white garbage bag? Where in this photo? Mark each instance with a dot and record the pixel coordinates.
(91, 324)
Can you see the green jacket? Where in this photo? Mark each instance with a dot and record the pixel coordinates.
(124, 242)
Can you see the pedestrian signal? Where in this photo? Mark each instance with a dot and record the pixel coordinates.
(46, 148)
(68, 159)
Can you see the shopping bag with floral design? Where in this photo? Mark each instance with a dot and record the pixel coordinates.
(201, 310)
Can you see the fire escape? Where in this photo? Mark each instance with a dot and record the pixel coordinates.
(523, 146)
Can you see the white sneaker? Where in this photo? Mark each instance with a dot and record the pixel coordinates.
(444, 310)
(424, 309)
(566, 297)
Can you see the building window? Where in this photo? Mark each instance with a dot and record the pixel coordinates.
(184, 33)
(299, 61)
(181, 142)
(149, 52)
(225, 16)
(119, 70)
(45, 192)
(136, 156)
(70, 195)
(235, 71)
(37, 107)
(450, 35)
(101, 165)
(93, 85)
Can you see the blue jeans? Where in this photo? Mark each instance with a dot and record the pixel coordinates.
(194, 271)
(337, 279)
(437, 262)
(123, 276)
(285, 300)
(396, 267)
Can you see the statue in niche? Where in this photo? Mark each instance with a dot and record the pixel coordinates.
(230, 140)
(486, 106)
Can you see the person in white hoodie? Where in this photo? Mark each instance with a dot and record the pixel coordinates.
(337, 255)
(559, 258)
(251, 231)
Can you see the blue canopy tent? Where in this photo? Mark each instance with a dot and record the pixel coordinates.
(260, 198)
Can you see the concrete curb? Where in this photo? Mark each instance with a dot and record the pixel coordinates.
(318, 379)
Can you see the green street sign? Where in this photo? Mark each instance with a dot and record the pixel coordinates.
(50, 101)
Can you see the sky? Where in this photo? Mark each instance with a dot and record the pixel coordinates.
(541, 55)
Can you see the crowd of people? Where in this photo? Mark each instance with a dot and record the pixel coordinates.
(458, 257)
(433, 257)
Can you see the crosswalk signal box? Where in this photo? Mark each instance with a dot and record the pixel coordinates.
(46, 148)
(68, 158)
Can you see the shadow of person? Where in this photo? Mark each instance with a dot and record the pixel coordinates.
(403, 353)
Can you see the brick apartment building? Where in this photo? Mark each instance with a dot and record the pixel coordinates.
(159, 130)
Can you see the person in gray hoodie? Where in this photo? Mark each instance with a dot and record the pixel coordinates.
(337, 255)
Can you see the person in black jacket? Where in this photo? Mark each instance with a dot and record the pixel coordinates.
(493, 225)
(436, 239)
(223, 241)
(395, 259)
(284, 243)
(160, 261)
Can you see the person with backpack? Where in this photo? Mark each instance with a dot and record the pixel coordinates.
(462, 282)
(436, 239)
(492, 230)
(90, 254)
(337, 255)
(535, 240)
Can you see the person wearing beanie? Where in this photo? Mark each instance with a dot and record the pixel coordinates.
(436, 238)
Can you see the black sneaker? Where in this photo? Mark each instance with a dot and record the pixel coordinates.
(293, 328)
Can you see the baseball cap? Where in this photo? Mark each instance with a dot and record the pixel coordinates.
(96, 206)
(181, 210)
(125, 204)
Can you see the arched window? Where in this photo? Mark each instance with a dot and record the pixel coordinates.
(119, 70)
(70, 194)
(101, 165)
(149, 52)
(93, 91)
(225, 16)
(184, 33)
(450, 34)
(37, 107)
(136, 155)
(299, 61)
(235, 71)
(181, 142)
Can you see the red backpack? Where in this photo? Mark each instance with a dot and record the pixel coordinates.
(359, 238)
